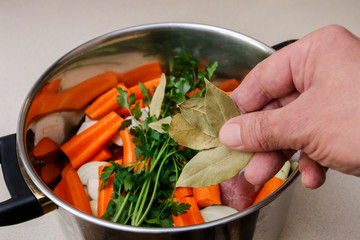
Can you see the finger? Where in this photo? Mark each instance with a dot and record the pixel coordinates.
(272, 78)
(281, 102)
(313, 175)
(264, 166)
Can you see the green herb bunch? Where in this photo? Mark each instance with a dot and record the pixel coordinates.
(143, 193)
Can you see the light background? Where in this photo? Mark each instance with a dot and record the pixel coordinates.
(34, 34)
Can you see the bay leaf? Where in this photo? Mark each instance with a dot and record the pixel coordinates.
(219, 107)
(193, 111)
(182, 132)
(157, 126)
(157, 99)
(210, 167)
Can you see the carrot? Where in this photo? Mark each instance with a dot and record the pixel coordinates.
(274, 183)
(76, 191)
(105, 103)
(105, 193)
(50, 172)
(129, 156)
(82, 147)
(207, 196)
(229, 85)
(46, 150)
(183, 192)
(48, 100)
(62, 191)
(193, 92)
(124, 112)
(141, 74)
(193, 215)
(103, 155)
(148, 85)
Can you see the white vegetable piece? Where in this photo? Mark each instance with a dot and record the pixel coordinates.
(94, 207)
(85, 125)
(93, 187)
(88, 170)
(215, 212)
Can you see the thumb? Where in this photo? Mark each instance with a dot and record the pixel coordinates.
(259, 131)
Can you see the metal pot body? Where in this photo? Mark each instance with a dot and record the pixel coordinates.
(125, 49)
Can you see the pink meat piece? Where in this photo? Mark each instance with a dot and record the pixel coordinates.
(237, 192)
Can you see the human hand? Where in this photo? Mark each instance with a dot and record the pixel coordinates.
(304, 97)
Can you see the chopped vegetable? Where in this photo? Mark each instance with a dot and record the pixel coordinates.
(82, 147)
(183, 192)
(228, 85)
(46, 150)
(50, 172)
(102, 155)
(142, 74)
(89, 170)
(207, 196)
(212, 213)
(274, 183)
(191, 217)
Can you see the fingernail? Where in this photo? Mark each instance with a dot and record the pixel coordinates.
(230, 135)
(303, 178)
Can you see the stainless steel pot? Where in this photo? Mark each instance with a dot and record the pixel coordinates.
(119, 51)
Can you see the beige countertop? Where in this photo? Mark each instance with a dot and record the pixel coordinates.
(34, 34)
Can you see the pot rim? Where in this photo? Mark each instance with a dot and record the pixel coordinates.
(20, 136)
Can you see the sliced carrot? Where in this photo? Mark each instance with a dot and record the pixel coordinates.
(124, 112)
(148, 85)
(105, 103)
(129, 156)
(229, 85)
(183, 192)
(142, 73)
(62, 191)
(103, 155)
(193, 92)
(48, 100)
(76, 190)
(82, 147)
(50, 172)
(104, 196)
(191, 217)
(207, 196)
(46, 150)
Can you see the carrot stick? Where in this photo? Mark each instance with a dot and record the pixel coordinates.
(61, 191)
(229, 85)
(129, 156)
(104, 104)
(192, 93)
(82, 147)
(103, 155)
(50, 172)
(207, 196)
(183, 192)
(141, 74)
(76, 191)
(46, 150)
(105, 193)
(48, 100)
(124, 112)
(274, 183)
(193, 215)
(148, 85)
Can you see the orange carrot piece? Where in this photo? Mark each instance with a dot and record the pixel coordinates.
(104, 196)
(193, 215)
(142, 73)
(229, 85)
(104, 104)
(207, 196)
(124, 112)
(77, 192)
(129, 156)
(48, 100)
(103, 155)
(61, 191)
(148, 85)
(193, 92)
(82, 147)
(46, 150)
(268, 188)
(183, 192)
(50, 172)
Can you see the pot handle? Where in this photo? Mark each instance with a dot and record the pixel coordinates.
(22, 205)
